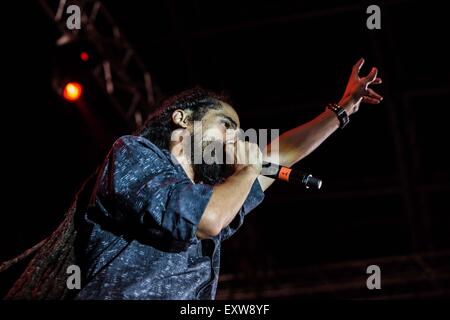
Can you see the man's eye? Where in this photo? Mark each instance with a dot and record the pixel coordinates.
(226, 124)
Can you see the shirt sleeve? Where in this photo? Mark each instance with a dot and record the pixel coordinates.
(254, 198)
(140, 186)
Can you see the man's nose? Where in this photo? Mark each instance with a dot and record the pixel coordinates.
(231, 135)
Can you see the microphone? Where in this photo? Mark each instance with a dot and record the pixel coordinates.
(278, 172)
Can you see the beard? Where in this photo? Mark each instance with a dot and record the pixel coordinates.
(213, 173)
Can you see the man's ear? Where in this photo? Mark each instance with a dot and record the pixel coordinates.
(181, 118)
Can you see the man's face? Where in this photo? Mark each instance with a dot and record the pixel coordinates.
(217, 126)
(216, 122)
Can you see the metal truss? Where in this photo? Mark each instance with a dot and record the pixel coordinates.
(118, 69)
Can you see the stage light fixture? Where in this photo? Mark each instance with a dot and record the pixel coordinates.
(72, 91)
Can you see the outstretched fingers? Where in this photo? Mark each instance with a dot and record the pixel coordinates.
(377, 81)
(372, 94)
(372, 97)
(370, 78)
(357, 67)
(369, 100)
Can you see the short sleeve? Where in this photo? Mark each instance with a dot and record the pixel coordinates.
(254, 198)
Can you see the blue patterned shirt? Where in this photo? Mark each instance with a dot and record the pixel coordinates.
(140, 236)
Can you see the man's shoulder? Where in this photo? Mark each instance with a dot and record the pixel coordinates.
(131, 141)
(137, 147)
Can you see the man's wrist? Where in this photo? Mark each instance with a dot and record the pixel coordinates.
(251, 170)
(347, 105)
(340, 113)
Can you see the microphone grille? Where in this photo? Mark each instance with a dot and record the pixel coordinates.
(313, 183)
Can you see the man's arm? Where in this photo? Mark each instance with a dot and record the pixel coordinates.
(299, 142)
(226, 201)
(228, 197)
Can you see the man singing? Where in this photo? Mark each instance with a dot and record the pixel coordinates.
(156, 219)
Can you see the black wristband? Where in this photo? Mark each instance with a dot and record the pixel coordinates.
(340, 113)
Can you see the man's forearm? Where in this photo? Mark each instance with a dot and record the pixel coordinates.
(226, 201)
(297, 143)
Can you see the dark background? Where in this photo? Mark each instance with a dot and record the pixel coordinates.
(386, 176)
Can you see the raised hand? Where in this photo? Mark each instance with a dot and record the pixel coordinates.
(358, 90)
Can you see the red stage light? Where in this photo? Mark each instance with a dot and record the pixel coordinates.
(72, 91)
(84, 56)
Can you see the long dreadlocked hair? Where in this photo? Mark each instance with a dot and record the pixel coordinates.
(45, 276)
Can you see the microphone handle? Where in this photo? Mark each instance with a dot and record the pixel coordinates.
(293, 176)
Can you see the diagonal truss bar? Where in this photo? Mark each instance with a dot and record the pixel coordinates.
(119, 71)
